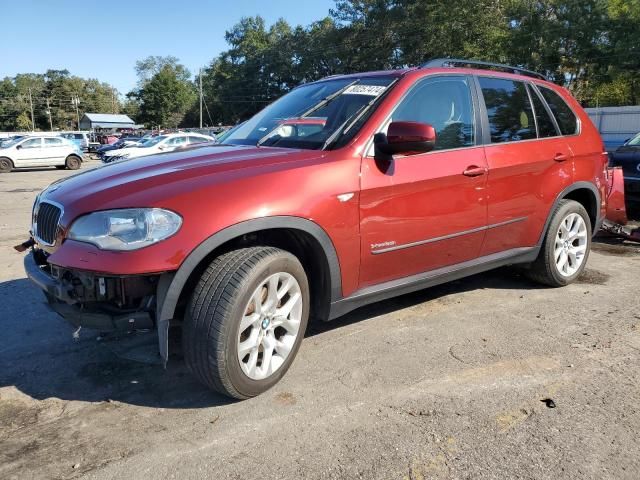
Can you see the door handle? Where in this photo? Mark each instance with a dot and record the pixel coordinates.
(474, 171)
(560, 157)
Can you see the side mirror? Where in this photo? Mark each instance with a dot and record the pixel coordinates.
(405, 138)
(18, 147)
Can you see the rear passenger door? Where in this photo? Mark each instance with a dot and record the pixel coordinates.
(54, 151)
(529, 162)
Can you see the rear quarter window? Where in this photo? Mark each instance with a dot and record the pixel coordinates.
(565, 117)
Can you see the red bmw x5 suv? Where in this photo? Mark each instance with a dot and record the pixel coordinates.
(345, 191)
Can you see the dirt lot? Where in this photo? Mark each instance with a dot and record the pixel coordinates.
(444, 383)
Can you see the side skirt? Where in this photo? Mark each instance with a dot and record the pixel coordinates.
(420, 281)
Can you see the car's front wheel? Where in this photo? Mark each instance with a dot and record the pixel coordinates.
(566, 246)
(245, 320)
(6, 165)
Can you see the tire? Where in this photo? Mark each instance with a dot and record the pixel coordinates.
(6, 165)
(72, 162)
(236, 287)
(548, 268)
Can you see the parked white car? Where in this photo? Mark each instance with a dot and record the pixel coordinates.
(161, 143)
(40, 151)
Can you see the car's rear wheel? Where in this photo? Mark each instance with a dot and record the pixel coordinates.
(6, 165)
(566, 246)
(245, 320)
(73, 162)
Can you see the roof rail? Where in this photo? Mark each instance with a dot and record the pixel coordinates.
(457, 62)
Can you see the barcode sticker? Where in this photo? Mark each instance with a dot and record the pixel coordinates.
(371, 90)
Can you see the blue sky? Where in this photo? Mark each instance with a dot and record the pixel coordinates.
(104, 39)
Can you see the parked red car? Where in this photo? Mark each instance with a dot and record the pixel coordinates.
(403, 180)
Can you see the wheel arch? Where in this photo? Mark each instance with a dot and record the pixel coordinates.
(303, 237)
(584, 193)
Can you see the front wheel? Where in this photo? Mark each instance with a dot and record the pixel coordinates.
(5, 165)
(566, 246)
(245, 320)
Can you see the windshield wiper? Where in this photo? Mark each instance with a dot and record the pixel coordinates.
(322, 103)
(326, 100)
(353, 119)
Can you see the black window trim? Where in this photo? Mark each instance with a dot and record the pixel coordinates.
(477, 118)
(532, 91)
(486, 138)
(545, 103)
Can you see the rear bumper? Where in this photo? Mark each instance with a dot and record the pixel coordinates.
(61, 299)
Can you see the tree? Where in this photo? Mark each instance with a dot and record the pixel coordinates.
(166, 97)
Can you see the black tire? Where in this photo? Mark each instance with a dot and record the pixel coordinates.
(6, 165)
(212, 320)
(544, 270)
(73, 162)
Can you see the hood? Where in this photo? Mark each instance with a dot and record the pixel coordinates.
(154, 180)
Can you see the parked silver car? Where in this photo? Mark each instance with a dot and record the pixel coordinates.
(40, 151)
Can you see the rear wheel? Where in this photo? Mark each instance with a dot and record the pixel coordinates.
(6, 165)
(566, 246)
(73, 162)
(245, 320)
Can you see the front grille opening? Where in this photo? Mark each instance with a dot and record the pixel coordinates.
(47, 222)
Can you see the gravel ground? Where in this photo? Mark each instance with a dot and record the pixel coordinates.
(451, 382)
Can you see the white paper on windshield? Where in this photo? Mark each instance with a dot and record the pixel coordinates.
(370, 90)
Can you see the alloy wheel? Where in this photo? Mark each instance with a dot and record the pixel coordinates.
(269, 326)
(571, 244)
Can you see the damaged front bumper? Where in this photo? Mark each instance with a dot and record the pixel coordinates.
(87, 299)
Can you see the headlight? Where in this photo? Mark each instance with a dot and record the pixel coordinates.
(125, 229)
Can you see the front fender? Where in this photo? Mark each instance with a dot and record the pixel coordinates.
(171, 286)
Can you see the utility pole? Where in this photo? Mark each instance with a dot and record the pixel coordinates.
(76, 101)
(49, 113)
(113, 100)
(200, 98)
(33, 123)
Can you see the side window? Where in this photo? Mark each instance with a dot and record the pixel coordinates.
(546, 128)
(509, 110)
(176, 141)
(446, 104)
(53, 142)
(193, 140)
(565, 117)
(32, 143)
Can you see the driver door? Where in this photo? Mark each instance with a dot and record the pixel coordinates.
(30, 153)
(426, 211)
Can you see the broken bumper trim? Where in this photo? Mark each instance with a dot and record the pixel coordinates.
(61, 303)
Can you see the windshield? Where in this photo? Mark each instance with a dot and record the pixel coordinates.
(308, 116)
(635, 140)
(10, 143)
(152, 141)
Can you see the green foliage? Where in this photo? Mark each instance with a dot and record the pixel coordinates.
(58, 88)
(165, 93)
(590, 46)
